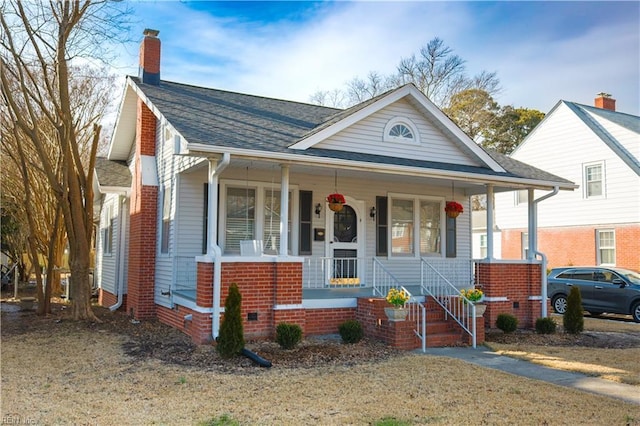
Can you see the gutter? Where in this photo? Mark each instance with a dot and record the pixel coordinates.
(212, 246)
(121, 254)
(533, 246)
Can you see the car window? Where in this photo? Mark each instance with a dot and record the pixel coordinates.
(632, 276)
(583, 275)
(565, 275)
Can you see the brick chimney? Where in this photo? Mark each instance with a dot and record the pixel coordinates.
(149, 71)
(605, 101)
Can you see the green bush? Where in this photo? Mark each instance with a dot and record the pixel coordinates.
(288, 335)
(545, 326)
(573, 319)
(231, 338)
(351, 331)
(507, 323)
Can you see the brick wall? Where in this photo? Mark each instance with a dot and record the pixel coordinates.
(576, 245)
(108, 299)
(143, 223)
(516, 283)
(198, 328)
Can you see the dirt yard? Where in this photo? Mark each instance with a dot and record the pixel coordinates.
(119, 372)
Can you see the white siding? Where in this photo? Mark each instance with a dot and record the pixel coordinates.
(106, 263)
(366, 136)
(166, 164)
(562, 145)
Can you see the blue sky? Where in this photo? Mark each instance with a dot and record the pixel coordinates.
(542, 51)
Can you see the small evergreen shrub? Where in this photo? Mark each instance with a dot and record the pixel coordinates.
(231, 338)
(351, 331)
(288, 335)
(545, 326)
(573, 319)
(507, 323)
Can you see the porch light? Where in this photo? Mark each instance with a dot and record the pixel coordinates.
(318, 209)
(372, 213)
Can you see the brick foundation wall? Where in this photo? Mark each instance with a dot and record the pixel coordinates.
(516, 283)
(108, 299)
(198, 328)
(576, 245)
(326, 321)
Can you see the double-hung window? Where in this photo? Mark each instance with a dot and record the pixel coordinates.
(593, 180)
(241, 217)
(606, 246)
(409, 214)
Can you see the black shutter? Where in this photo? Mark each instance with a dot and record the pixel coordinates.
(382, 226)
(451, 237)
(306, 201)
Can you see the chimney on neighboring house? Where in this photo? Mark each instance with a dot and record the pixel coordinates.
(149, 71)
(605, 101)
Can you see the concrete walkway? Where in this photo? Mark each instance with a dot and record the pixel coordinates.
(486, 358)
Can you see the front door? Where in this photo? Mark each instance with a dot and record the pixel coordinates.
(345, 239)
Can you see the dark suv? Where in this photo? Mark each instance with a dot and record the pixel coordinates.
(611, 290)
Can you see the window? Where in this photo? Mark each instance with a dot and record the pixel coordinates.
(271, 229)
(402, 226)
(483, 246)
(241, 217)
(594, 180)
(524, 245)
(522, 197)
(107, 232)
(429, 227)
(606, 247)
(166, 216)
(400, 129)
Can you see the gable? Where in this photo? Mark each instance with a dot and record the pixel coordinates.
(371, 135)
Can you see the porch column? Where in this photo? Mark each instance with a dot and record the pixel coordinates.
(212, 206)
(532, 231)
(489, 221)
(284, 210)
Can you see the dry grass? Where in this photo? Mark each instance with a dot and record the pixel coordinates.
(81, 375)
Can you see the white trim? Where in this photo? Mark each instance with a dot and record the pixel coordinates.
(603, 180)
(330, 303)
(148, 170)
(599, 247)
(287, 307)
(404, 121)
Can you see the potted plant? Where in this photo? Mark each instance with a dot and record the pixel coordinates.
(397, 298)
(453, 209)
(474, 295)
(336, 201)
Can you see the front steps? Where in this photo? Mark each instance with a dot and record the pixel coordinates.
(442, 331)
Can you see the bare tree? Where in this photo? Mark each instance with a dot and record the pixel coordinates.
(39, 42)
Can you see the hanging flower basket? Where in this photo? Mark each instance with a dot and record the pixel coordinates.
(453, 209)
(336, 202)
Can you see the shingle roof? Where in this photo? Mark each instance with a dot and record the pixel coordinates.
(234, 120)
(113, 173)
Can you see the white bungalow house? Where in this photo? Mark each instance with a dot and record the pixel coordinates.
(191, 201)
(599, 224)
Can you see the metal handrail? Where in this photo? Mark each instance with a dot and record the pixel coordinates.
(461, 309)
(383, 280)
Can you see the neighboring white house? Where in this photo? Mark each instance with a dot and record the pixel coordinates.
(598, 148)
(479, 240)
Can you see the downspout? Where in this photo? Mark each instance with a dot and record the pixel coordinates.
(121, 255)
(533, 246)
(212, 246)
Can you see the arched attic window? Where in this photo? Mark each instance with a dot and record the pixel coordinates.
(401, 129)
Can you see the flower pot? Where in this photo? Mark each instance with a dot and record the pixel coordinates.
(396, 314)
(480, 308)
(336, 207)
(453, 214)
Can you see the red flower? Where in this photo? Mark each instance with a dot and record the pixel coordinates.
(336, 198)
(453, 206)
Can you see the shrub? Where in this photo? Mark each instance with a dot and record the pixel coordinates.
(507, 323)
(545, 326)
(288, 335)
(231, 338)
(573, 319)
(351, 331)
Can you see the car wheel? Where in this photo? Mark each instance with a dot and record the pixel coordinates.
(559, 304)
(635, 312)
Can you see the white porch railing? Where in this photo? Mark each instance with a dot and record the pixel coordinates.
(437, 284)
(334, 272)
(383, 280)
